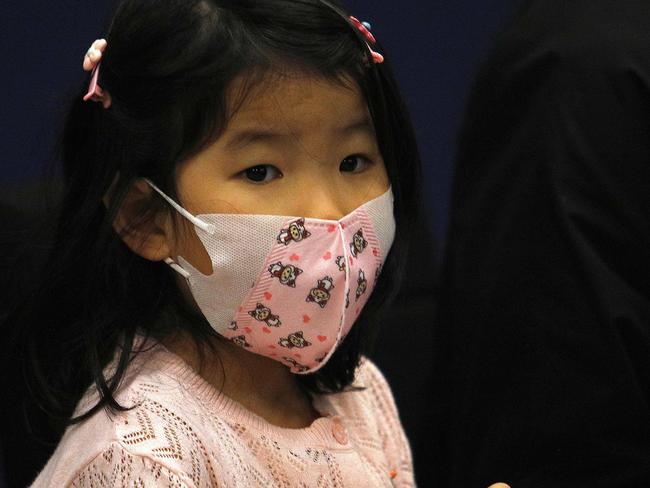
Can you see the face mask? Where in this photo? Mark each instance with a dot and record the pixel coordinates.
(289, 288)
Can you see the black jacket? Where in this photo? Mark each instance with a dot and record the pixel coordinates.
(542, 350)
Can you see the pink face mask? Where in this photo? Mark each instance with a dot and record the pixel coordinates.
(289, 288)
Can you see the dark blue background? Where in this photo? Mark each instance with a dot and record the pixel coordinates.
(434, 47)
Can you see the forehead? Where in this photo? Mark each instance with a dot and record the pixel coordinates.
(295, 102)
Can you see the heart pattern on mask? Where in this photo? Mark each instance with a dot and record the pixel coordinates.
(294, 307)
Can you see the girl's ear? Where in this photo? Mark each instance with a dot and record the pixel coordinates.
(149, 237)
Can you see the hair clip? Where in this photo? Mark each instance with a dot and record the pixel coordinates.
(92, 60)
(364, 28)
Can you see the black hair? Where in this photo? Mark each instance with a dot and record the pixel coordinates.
(167, 67)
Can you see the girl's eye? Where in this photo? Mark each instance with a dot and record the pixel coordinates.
(262, 173)
(354, 164)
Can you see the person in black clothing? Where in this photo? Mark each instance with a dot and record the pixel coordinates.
(542, 351)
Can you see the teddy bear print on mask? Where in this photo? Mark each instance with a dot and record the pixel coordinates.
(286, 274)
(264, 314)
(358, 243)
(347, 298)
(295, 232)
(362, 284)
(295, 364)
(340, 262)
(294, 340)
(233, 325)
(321, 293)
(240, 341)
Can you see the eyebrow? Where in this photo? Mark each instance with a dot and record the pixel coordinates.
(244, 137)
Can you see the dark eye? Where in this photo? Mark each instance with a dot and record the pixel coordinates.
(261, 173)
(354, 164)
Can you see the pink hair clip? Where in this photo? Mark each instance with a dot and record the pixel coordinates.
(364, 28)
(92, 60)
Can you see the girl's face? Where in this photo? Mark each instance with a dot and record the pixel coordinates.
(297, 146)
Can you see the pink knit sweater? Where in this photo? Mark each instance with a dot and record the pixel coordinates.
(184, 433)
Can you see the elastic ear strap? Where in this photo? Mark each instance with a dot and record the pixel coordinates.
(209, 228)
(177, 267)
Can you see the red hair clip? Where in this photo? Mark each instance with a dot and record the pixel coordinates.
(364, 28)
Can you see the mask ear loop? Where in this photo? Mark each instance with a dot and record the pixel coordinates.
(204, 226)
(209, 228)
(177, 267)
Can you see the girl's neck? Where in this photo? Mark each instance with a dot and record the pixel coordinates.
(260, 384)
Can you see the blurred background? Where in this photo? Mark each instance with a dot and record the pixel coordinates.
(435, 48)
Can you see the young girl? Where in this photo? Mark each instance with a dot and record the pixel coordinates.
(239, 181)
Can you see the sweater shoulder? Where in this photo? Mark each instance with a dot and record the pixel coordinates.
(167, 426)
(117, 466)
(378, 390)
(159, 432)
(380, 410)
(368, 401)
